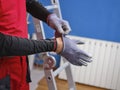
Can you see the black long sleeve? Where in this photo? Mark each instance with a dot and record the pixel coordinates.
(37, 10)
(15, 46)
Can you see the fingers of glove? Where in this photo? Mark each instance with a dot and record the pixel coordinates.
(74, 61)
(58, 24)
(77, 64)
(63, 28)
(85, 57)
(66, 27)
(81, 62)
(55, 23)
(74, 54)
(58, 28)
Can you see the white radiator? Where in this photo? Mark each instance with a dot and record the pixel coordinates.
(104, 71)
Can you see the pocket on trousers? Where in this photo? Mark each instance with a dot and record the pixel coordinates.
(5, 83)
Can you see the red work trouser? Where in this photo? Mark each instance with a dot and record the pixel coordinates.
(15, 68)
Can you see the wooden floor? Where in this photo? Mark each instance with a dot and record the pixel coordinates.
(62, 85)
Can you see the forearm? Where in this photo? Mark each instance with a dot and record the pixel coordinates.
(14, 46)
(37, 10)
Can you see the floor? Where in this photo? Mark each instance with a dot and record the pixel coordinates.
(39, 82)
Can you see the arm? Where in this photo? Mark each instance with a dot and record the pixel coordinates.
(13, 46)
(37, 10)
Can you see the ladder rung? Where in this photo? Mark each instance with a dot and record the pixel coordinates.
(56, 72)
(50, 7)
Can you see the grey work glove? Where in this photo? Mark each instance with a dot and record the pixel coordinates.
(73, 54)
(60, 25)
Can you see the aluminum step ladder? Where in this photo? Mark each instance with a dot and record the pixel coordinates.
(49, 61)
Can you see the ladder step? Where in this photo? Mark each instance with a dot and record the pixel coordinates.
(61, 68)
(50, 7)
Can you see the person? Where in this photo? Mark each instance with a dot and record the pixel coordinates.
(14, 45)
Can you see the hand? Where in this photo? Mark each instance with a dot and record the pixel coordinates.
(61, 26)
(73, 54)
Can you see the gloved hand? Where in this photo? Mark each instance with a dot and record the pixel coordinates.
(73, 54)
(60, 25)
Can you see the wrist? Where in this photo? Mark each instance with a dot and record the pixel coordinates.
(59, 45)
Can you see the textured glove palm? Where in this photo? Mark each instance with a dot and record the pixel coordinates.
(73, 54)
(60, 25)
